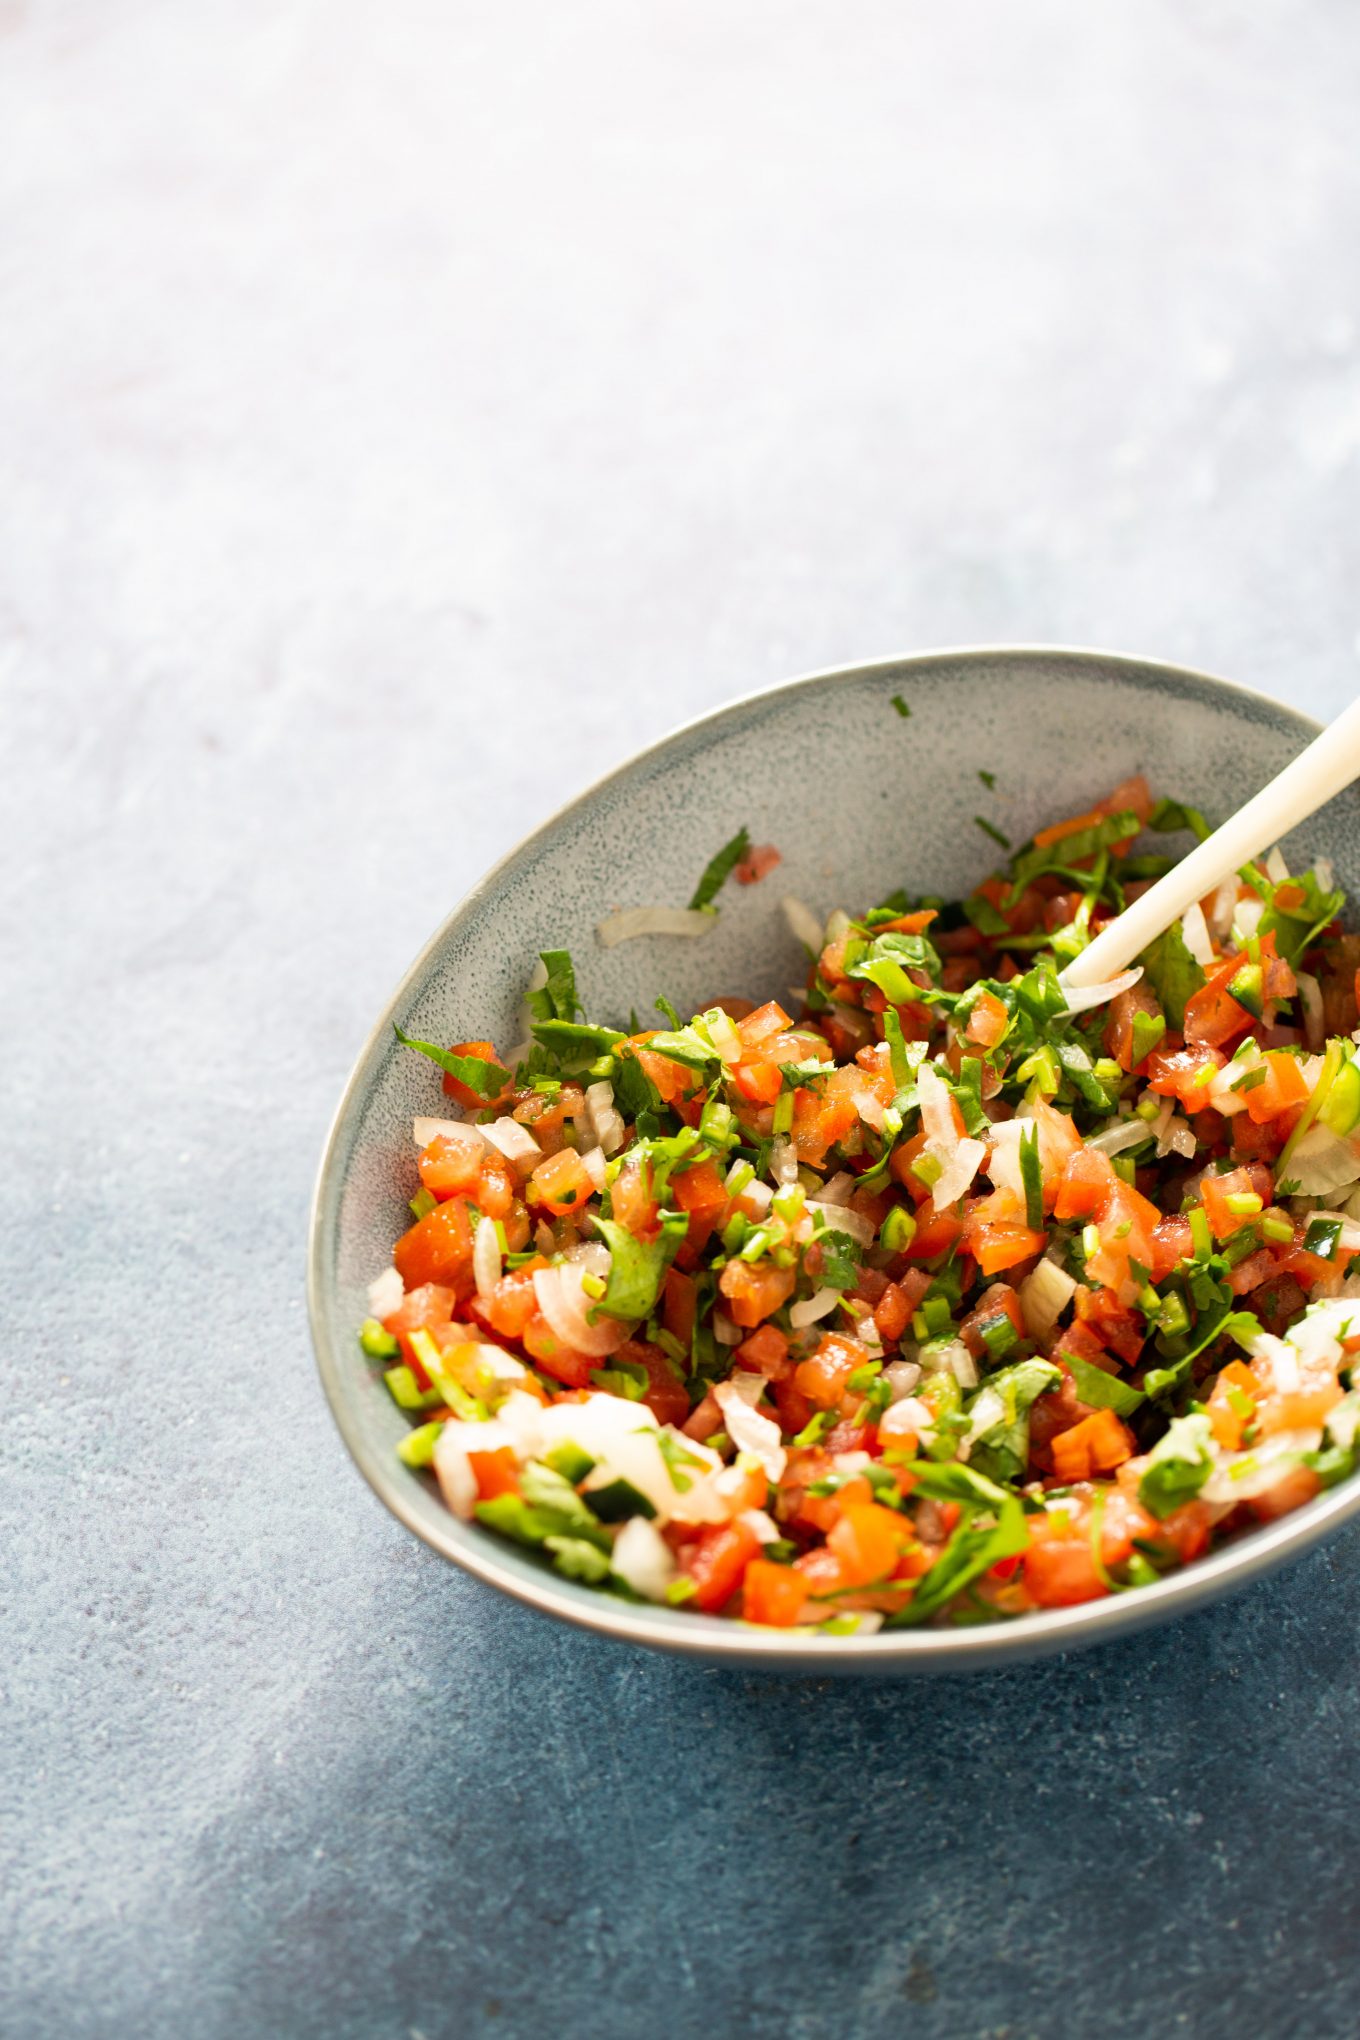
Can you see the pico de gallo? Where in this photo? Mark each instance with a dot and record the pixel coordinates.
(928, 1294)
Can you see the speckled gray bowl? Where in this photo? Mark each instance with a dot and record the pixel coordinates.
(860, 801)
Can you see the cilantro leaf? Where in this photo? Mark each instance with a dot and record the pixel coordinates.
(1172, 972)
(555, 1000)
(840, 1260)
(1178, 1466)
(486, 1078)
(990, 829)
(637, 1267)
(1102, 1391)
(1001, 1449)
(900, 705)
(1170, 815)
(970, 1552)
(720, 868)
(578, 1559)
(572, 1044)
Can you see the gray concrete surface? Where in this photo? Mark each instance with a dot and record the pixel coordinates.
(404, 412)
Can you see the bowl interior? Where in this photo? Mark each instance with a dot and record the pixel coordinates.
(860, 800)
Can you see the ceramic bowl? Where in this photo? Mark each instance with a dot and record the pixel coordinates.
(860, 800)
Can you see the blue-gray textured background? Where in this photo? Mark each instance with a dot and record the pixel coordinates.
(405, 411)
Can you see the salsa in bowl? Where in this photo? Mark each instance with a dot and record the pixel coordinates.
(895, 1297)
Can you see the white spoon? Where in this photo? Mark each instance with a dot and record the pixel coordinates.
(1330, 763)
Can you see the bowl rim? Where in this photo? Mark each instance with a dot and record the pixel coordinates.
(972, 1648)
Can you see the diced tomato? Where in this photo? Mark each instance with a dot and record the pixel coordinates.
(936, 1232)
(755, 1290)
(699, 1189)
(1172, 1243)
(822, 1377)
(496, 1473)
(772, 1594)
(632, 1197)
(761, 1082)
(1284, 1087)
(716, 1560)
(1088, 1181)
(764, 1021)
(987, 1020)
(867, 1541)
(1216, 1191)
(892, 1314)
(423, 1309)
(1184, 1073)
(1290, 1491)
(1000, 1301)
(451, 1166)
(1212, 1016)
(1226, 1417)
(511, 1303)
(665, 1394)
(759, 861)
(1122, 1330)
(438, 1248)
(765, 1352)
(679, 1298)
(1098, 1444)
(561, 1184)
(553, 1357)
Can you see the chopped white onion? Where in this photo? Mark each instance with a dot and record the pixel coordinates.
(1314, 1021)
(1044, 1295)
(837, 924)
(725, 1332)
(512, 1140)
(959, 1163)
(1323, 1162)
(385, 1292)
(1195, 930)
(1118, 1135)
(803, 923)
(642, 1559)
(1277, 871)
(839, 1189)
(565, 1304)
(749, 1385)
(843, 1218)
(814, 1308)
(758, 1194)
(1238, 1476)
(1221, 909)
(605, 1116)
(486, 1257)
(960, 1362)
(1247, 917)
(749, 1430)
(635, 921)
(762, 1527)
(423, 1131)
(870, 1108)
(937, 1106)
(1179, 1139)
(783, 1161)
(592, 1161)
(457, 1481)
(1344, 1421)
(636, 1457)
(1323, 872)
(902, 1377)
(1087, 996)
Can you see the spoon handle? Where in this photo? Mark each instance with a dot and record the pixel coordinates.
(1330, 763)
